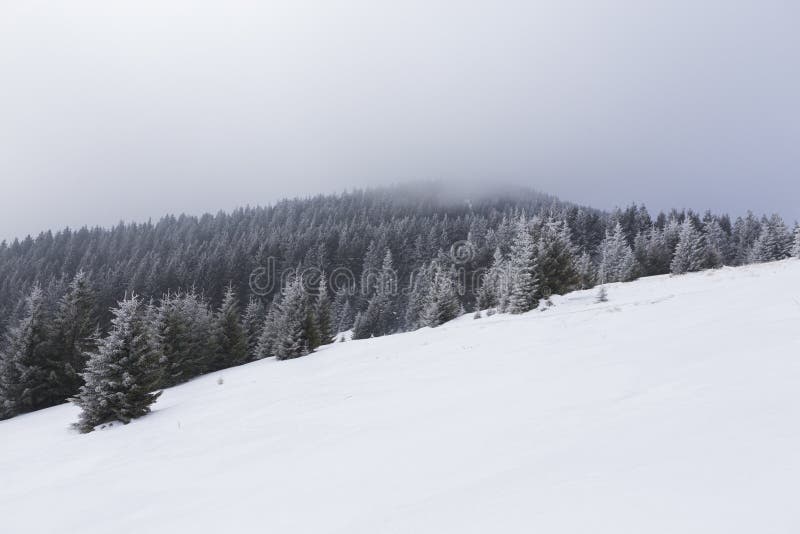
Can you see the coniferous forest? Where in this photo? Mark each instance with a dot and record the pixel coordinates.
(107, 317)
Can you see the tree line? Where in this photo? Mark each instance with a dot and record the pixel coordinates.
(108, 317)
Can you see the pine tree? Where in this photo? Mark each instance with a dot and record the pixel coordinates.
(690, 252)
(344, 312)
(322, 311)
(494, 286)
(616, 261)
(187, 336)
(774, 243)
(796, 247)
(717, 244)
(556, 258)
(379, 317)
(523, 295)
(587, 275)
(442, 304)
(602, 295)
(75, 325)
(269, 332)
(231, 339)
(123, 373)
(253, 325)
(292, 338)
(420, 291)
(27, 369)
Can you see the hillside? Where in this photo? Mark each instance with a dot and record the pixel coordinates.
(671, 408)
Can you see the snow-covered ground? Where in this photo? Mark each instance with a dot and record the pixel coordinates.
(674, 408)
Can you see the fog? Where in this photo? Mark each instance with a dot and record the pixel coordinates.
(128, 110)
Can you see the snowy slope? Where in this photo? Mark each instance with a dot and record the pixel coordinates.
(673, 408)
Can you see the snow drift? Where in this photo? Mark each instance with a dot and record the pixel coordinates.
(673, 407)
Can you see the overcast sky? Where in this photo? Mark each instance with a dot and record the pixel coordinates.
(116, 110)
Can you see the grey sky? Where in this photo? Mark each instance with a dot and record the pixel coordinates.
(133, 109)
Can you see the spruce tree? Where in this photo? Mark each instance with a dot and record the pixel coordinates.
(28, 370)
(379, 317)
(323, 313)
(187, 336)
(524, 290)
(796, 247)
(616, 261)
(230, 337)
(75, 325)
(122, 375)
(774, 243)
(690, 253)
(269, 332)
(442, 304)
(587, 274)
(556, 258)
(253, 325)
(292, 336)
(494, 283)
(344, 312)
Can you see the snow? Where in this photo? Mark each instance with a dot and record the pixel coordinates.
(673, 407)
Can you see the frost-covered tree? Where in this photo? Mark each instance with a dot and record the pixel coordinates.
(420, 290)
(602, 295)
(616, 257)
(379, 317)
(27, 368)
(442, 304)
(187, 336)
(229, 335)
(493, 287)
(717, 244)
(291, 327)
(796, 247)
(344, 315)
(556, 258)
(323, 312)
(773, 243)
(587, 274)
(253, 325)
(269, 332)
(745, 234)
(523, 268)
(690, 253)
(75, 325)
(123, 374)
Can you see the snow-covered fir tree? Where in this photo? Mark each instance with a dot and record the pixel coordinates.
(717, 244)
(690, 254)
(556, 258)
(344, 315)
(229, 334)
(524, 291)
(796, 246)
(27, 366)
(379, 316)
(494, 284)
(616, 257)
(269, 332)
(187, 336)
(745, 233)
(123, 374)
(587, 274)
(442, 304)
(602, 295)
(323, 312)
(76, 329)
(773, 243)
(253, 325)
(291, 323)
